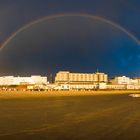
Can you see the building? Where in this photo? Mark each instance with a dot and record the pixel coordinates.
(123, 80)
(80, 78)
(11, 80)
(138, 80)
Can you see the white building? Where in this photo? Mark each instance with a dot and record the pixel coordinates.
(138, 80)
(102, 86)
(123, 80)
(11, 80)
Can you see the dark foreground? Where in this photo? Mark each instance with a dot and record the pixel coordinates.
(110, 117)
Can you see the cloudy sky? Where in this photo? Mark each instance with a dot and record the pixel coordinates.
(91, 35)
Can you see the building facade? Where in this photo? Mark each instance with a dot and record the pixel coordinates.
(123, 80)
(11, 80)
(80, 78)
(138, 80)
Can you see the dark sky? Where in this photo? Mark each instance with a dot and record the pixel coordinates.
(75, 43)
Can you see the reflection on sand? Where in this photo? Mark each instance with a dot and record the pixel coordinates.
(135, 95)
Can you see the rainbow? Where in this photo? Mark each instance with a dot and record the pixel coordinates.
(13, 35)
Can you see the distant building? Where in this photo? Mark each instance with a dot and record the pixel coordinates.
(80, 78)
(123, 80)
(11, 80)
(65, 80)
(138, 80)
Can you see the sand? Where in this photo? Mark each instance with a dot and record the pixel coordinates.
(24, 94)
(70, 116)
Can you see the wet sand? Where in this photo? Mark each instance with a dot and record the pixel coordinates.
(99, 115)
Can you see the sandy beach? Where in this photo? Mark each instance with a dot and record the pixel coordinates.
(24, 94)
(57, 115)
(69, 115)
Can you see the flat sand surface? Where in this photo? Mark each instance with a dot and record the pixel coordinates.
(23, 94)
(92, 115)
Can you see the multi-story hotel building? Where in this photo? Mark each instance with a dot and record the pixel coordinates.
(80, 78)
